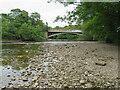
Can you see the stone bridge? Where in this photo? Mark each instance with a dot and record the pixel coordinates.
(52, 33)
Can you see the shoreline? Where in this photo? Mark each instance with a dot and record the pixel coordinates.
(5, 41)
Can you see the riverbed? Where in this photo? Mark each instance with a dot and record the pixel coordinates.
(84, 64)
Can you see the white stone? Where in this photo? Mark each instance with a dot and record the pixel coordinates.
(88, 85)
(82, 81)
(36, 84)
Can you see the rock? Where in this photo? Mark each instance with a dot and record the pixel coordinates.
(108, 83)
(65, 86)
(95, 55)
(101, 63)
(27, 85)
(67, 47)
(29, 73)
(88, 85)
(8, 68)
(8, 75)
(97, 74)
(13, 79)
(82, 81)
(11, 86)
(34, 78)
(93, 50)
(60, 78)
(22, 74)
(20, 78)
(38, 68)
(49, 54)
(19, 85)
(25, 79)
(53, 79)
(83, 58)
(61, 58)
(86, 53)
(9, 83)
(117, 77)
(36, 84)
(2, 87)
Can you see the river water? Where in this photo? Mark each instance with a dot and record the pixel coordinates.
(16, 58)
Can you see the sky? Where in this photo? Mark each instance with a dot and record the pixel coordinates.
(48, 11)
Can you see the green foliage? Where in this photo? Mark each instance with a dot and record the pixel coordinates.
(69, 27)
(72, 27)
(98, 20)
(18, 25)
(57, 27)
(66, 36)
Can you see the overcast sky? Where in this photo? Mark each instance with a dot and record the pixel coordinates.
(48, 11)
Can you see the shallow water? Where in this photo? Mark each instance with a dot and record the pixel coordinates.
(15, 58)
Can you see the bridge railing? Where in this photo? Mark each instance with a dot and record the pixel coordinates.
(61, 30)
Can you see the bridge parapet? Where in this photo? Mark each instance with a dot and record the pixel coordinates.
(62, 30)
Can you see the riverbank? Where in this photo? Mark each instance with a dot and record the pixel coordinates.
(67, 65)
(10, 41)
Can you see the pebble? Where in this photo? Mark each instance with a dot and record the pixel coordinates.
(36, 84)
(8, 75)
(88, 85)
(13, 79)
(65, 72)
(101, 63)
(34, 78)
(29, 73)
(25, 79)
(82, 81)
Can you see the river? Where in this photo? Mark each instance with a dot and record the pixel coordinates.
(84, 64)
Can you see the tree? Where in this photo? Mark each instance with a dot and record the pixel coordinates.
(20, 26)
(99, 19)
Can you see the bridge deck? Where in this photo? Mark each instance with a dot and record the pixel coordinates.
(67, 31)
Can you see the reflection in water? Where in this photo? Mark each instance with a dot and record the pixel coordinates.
(18, 55)
(15, 59)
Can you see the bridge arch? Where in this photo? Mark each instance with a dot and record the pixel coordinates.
(56, 34)
(51, 33)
